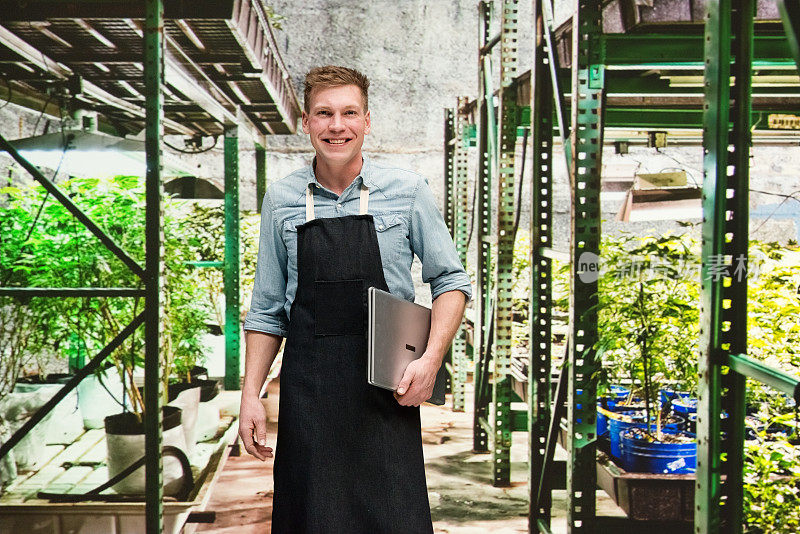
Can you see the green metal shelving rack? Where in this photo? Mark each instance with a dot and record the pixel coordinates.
(494, 419)
(152, 32)
(153, 390)
(456, 147)
(726, 114)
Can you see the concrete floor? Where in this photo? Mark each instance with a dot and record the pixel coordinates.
(463, 500)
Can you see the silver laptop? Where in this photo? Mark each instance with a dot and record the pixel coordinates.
(397, 334)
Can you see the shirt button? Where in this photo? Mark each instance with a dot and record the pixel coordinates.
(380, 227)
(338, 206)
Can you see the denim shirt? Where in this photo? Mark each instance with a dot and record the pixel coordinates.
(407, 222)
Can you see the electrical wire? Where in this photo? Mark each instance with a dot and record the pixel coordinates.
(44, 107)
(200, 151)
(472, 214)
(784, 201)
(782, 195)
(521, 181)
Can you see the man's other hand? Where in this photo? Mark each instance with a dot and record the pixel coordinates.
(253, 427)
(417, 384)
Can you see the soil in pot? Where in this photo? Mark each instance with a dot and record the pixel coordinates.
(622, 422)
(607, 405)
(125, 445)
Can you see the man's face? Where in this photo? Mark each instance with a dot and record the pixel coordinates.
(337, 123)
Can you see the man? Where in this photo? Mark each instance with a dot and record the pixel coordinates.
(348, 455)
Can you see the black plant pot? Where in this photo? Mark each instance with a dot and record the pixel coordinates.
(128, 424)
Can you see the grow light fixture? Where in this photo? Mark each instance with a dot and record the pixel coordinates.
(661, 196)
(92, 154)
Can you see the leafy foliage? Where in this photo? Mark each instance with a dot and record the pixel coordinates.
(771, 487)
(55, 250)
(648, 289)
(648, 311)
(206, 242)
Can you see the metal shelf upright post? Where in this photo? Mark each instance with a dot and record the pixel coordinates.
(495, 232)
(502, 392)
(154, 265)
(726, 142)
(448, 211)
(540, 316)
(460, 213)
(586, 141)
(231, 268)
(483, 228)
(261, 173)
(449, 168)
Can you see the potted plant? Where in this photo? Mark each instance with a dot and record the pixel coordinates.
(647, 317)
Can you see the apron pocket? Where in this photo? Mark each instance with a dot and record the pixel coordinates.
(339, 307)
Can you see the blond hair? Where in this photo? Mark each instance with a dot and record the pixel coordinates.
(333, 76)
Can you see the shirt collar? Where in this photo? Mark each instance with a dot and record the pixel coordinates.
(367, 174)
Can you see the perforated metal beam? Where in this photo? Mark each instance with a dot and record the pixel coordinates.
(460, 214)
(508, 118)
(583, 365)
(539, 365)
(483, 227)
(261, 173)
(726, 142)
(154, 76)
(231, 269)
(449, 167)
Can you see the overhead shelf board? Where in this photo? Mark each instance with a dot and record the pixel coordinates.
(222, 64)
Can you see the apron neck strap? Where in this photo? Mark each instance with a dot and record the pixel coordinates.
(363, 206)
(309, 203)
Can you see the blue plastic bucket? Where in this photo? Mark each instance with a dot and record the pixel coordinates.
(643, 456)
(611, 405)
(616, 427)
(684, 406)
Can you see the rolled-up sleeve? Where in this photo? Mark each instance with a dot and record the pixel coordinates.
(267, 313)
(431, 242)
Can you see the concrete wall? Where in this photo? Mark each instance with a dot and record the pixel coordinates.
(419, 56)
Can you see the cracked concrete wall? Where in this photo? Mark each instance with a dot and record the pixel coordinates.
(419, 56)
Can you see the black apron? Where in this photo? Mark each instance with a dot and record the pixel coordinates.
(348, 458)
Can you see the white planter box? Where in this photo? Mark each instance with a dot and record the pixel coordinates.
(22, 511)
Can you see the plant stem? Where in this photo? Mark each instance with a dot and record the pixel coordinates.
(645, 361)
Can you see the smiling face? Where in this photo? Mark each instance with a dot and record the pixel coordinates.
(336, 124)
